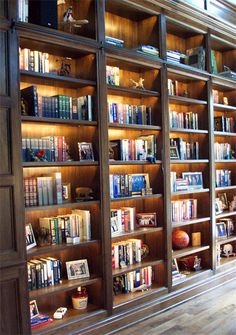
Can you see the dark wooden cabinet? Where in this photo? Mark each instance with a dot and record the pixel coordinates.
(184, 100)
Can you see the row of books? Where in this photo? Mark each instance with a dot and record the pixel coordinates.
(226, 124)
(183, 120)
(114, 41)
(125, 185)
(223, 178)
(138, 149)
(48, 148)
(43, 272)
(112, 75)
(132, 281)
(129, 114)
(43, 191)
(34, 60)
(59, 106)
(185, 150)
(175, 56)
(123, 220)
(125, 253)
(182, 210)
(188, 181)
(173, 87)
(70, 228)
(222, 151)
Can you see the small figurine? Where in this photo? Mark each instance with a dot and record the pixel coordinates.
(65, 68)
(138, 84)
(84, 194)
(68, 18)
(197, 262)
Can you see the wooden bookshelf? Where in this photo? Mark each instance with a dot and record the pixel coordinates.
(88, 54)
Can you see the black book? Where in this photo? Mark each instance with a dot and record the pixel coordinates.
(30, 99)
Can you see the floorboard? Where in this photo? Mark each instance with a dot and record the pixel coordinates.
(212, 313)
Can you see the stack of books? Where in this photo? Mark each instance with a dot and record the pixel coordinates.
(186, 150)
(43, 272)
(223, 151)
(183, 120)
(140, 279)
(47, 149)
(114, 41)
(182, 210)
(58, 106)
(40, 320)
(226, 124)
(43, 191)
(148, 49)
(125, 253)
(129, 114)
(139, 149)
(175, 56)
(33, 60)
(70, 228)
(123, 220)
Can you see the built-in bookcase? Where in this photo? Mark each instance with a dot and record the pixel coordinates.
(180, 109)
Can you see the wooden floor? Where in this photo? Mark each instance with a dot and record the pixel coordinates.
(212, 313)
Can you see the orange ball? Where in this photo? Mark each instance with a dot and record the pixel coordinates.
(180, 239)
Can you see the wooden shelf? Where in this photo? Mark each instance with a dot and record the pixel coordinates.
(137, 232)
(225, 161)
(189, 161)
(184, 100)
(224, 133)
(135, 197)
(190, 222)
(71, 316)
(191, 131)
(68, 122)
(39, 251)
(192, 277)
(225, 188)
(143, 264)
(66, 285)
(225, 214)
(64, 205)
(224, 107)
(226, 263)
(134, 126)
(134, 162)
(131, 91)
(204, 190)
(188, 251)
(70, 163)
(53, 78)
(123, 298)
(226, 240)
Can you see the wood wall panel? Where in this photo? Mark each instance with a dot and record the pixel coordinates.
(5, 143)
(13, 302)
(7, 232)
(3, 62)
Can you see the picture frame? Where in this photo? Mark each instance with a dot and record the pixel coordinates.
(221, 231)
(29, 237)
(146, 220)
(175, 267)
(218, 206)
(77, 269)
(66, 192)
(34, 311)
(85, 151)
(140, 181)
(224, 200)
(174, 153)
(195, 180)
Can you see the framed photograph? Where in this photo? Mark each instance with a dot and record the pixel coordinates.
(194, 180)
(77, 269)
(33, 309)
(174, 153)
(140, 182)
(221, 230)
(29, 237)
(66, 192)
(146, 220)
(85, 151)
(218, 206)
(175, 268)
(224, 200)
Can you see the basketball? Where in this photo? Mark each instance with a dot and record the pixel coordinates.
(180, 239)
